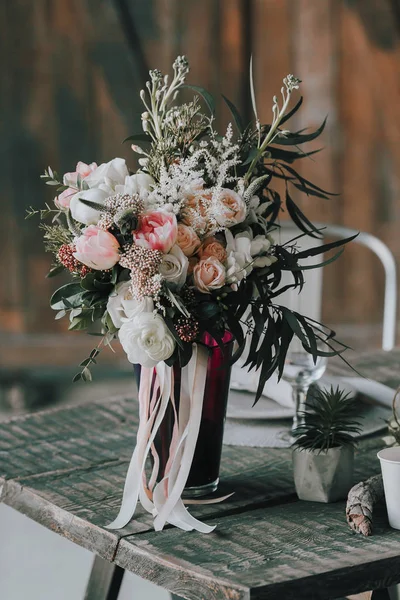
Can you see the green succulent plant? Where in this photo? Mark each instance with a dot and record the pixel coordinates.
(329, 421)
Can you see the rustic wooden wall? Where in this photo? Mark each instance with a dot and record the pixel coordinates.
(71, 71)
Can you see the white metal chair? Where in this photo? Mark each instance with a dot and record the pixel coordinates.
(389, 265)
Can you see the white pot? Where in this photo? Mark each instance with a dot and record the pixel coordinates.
(324, 477)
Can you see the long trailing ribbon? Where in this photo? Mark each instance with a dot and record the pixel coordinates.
(164, 499)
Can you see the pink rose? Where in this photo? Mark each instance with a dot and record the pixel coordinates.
(158, 230)
(97, 248)
(71, 180)
(64, 198)
(231, 208)
(208, 275)
(82, 169)
(214, 248)
(187, 240)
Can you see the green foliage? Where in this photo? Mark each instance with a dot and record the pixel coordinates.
(85, 374)
(55, 236)
(329, 422)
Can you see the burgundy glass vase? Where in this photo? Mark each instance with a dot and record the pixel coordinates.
(204, 474)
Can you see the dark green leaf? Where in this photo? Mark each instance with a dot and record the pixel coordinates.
(235, 113)
(292, 112)
(209, 100)
(324, 248)
(71, 291)
(55, 271)
(138, 137)
(294, 139)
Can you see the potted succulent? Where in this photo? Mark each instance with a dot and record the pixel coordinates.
(323, 451)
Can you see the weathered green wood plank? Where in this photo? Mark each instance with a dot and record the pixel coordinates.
(299, 551)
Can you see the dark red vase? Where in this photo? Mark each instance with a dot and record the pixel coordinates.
(204, 474)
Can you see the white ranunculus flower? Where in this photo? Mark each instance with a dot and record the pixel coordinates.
(239, 254)
(135, 184)
(260, 244)
(111, 174)
(235, 268)
(146, 339)
(174, 267)
(122, 306)
(83, 213)
(264, 261)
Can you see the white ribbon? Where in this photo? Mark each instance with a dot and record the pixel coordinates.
(164, 502)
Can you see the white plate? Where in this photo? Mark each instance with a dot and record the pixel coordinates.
(240, 403)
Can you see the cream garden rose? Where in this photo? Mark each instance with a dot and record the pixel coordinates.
(230, 208)
(212, 247)
(122, 306)
(174, 267)
(146, 339)
(187, 240)
(97, 249)
(209, 275)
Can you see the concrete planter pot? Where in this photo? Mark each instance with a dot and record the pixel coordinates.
(324, 477)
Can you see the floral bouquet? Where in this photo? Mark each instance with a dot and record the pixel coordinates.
(179, 260)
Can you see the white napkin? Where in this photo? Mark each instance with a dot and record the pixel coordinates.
(379, 393)
(280, 391)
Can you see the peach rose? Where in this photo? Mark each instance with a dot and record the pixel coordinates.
(158, 231)
(231, 208)
(71, 180)
(209, 275)
(214, 248)
(97, 248)
(187, 240)
(195, 211)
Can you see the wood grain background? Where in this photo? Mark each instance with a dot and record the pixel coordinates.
(71, 71)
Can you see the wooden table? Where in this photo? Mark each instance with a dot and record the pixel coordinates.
(65, 469)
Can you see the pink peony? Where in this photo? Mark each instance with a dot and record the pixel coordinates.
(158, 230)
(97, 248)
(187, 240)
(214, 248)
(71, 180)
(209, 274)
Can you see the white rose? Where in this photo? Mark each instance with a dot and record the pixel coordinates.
(174, 267)
(146, 339)
(135, 184)
(122, 306)
(83, 213)
(111, 174)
